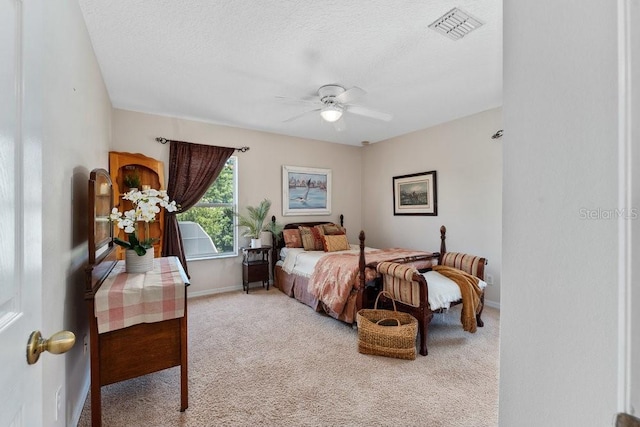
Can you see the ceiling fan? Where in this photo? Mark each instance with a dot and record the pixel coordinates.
(333, 101)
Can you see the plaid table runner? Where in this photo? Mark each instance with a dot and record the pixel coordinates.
(128, 299)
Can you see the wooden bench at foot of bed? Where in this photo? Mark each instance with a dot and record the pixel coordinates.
(410, 289)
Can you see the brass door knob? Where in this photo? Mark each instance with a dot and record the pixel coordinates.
(59, 343)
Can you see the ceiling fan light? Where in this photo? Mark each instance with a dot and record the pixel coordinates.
(331, 113)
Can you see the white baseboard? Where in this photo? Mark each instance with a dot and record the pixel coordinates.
(218, 291)
(492, 304)
(213, 291)
(84, 393)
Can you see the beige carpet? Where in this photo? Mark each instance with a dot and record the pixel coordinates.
(265, 359)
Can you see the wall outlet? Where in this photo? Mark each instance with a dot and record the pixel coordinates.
(489, 279)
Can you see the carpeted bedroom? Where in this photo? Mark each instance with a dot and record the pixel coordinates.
(265, 359)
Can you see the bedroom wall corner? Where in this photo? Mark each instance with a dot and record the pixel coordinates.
(469, 189)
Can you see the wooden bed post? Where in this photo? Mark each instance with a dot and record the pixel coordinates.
(274, 250)
(362, 262)
(361, 267)
(443, 245)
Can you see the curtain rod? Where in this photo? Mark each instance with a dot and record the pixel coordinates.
(162, 140)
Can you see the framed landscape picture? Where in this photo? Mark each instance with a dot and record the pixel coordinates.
(306, 191)
(415, 194)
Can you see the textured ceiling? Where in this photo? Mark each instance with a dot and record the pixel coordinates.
(229, 61)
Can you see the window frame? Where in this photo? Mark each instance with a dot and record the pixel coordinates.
(234, 206)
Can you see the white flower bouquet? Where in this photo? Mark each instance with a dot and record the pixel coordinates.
(146, 204)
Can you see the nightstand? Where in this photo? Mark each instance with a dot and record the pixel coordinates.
(255, 266)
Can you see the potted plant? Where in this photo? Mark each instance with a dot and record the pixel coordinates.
(139, 251)
(254, 223)
(275, 228)
(132, 181)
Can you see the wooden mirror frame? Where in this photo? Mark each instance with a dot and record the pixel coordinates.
(100, 204)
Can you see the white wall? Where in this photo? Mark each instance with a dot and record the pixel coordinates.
(558, 343)
(76, 128)
(469, 177)
(260, 176)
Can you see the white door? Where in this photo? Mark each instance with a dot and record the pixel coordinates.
(20, 211)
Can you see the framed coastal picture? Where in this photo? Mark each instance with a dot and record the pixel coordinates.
(306, 191)
(415, 194)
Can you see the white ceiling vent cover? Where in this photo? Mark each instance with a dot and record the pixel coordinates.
(455, 24)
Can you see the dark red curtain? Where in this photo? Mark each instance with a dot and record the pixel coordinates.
(192, 170)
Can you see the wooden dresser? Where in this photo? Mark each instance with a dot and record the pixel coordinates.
(131, 342)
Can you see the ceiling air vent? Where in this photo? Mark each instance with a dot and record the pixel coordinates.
(455, 24)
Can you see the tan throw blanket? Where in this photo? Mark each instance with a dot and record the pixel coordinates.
(471, 293)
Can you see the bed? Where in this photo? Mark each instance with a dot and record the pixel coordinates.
(351, 278)
(337, 282)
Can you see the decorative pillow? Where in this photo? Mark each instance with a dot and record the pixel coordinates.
(292, 238)
(333, 229)
(311, 238)
(336, 242)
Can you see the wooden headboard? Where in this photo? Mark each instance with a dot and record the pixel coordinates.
(278, 243)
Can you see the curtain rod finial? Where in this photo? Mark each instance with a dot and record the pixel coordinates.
(243, 149)
(162, 140)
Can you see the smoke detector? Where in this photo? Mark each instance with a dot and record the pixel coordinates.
(455, 24)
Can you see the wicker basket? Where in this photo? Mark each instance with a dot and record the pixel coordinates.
(387, 333)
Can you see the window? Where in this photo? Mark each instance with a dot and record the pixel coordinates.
(209, 228)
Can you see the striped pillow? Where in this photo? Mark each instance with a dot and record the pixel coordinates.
(312, 238)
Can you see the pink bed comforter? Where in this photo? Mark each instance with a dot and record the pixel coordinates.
(336, 275)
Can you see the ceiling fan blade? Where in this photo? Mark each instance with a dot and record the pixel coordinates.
(298, 101)
(350, 95)
(362, 111)
(300, 115)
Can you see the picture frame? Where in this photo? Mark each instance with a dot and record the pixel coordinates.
(415, 194)
(306, 191)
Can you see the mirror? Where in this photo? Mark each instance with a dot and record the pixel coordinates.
(100, 204)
